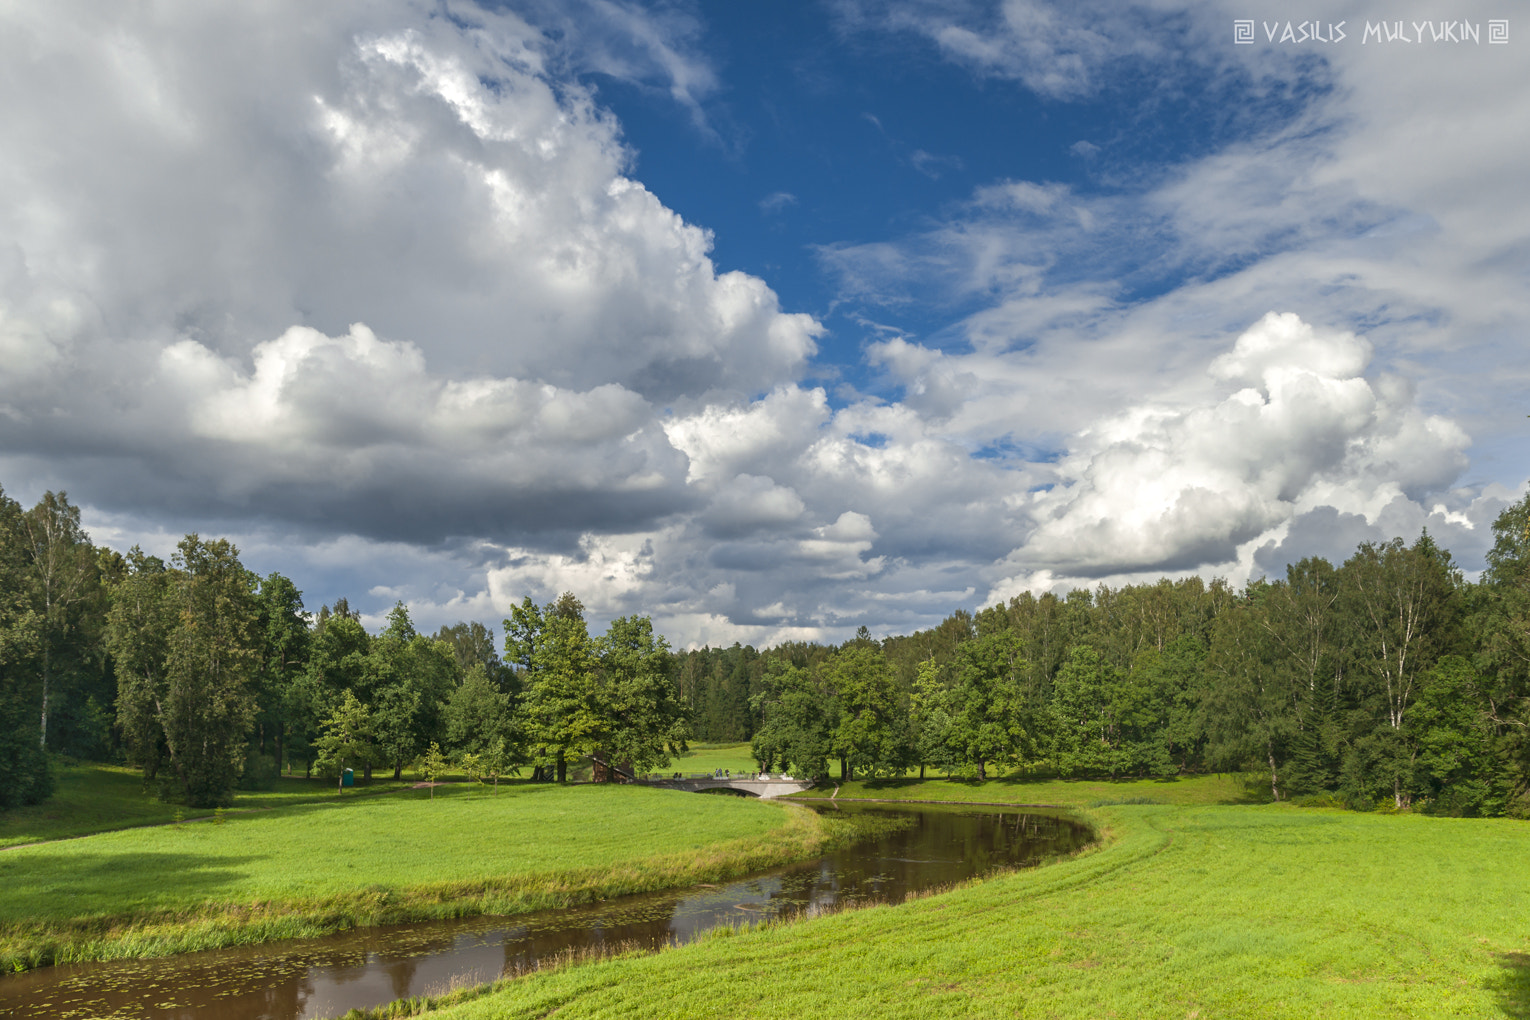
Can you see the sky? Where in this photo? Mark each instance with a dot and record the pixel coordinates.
(769, 321)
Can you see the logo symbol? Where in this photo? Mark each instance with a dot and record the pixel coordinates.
(1243, 32)
(1498, 31)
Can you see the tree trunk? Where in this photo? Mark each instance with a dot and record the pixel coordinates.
(47, 678)
(562, 768)
(982, 770)
(1274, 789)
(844, 769)
(921, 770)
(398, 773)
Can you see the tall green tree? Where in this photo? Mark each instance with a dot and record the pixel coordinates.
(409, 681)
(1302, 615)
(647, 724)
(1085, 705)
(337, 661)
(990, 719)
(211, 670)
(1182, 666)
(284, 648)
(563, 711)
(1456, 770)
(795, 735)
(930, 724)
(143, 613)
(477, 714)
(1404, 606)
(187, 648)
(1499, 635)
(868, 735)
(1143, 706)
(1249, 713)
(25, 776)
(67, 596)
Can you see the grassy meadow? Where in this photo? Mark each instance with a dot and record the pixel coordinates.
(1190, 907)
(91, 798)
(308, 868)
(1227, 788)
(709, 757)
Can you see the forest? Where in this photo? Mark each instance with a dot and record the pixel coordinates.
(1386, 680)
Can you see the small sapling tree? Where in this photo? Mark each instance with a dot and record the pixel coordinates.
(431, 765)
(495, 762)
(472, 766)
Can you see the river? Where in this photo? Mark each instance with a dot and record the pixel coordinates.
(316, 978)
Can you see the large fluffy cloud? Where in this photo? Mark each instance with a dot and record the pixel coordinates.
(1290, 445)
(373, 287)
(1176, 488)
(388, 260)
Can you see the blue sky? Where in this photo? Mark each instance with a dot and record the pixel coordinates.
(770, 321)
(819, 132)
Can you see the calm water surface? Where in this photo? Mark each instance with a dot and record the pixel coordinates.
(316, 978)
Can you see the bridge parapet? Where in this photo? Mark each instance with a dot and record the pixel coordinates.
(764, 785)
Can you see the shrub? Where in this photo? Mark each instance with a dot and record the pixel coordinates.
(25, 775)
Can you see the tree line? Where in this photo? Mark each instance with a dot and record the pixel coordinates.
(1387, 678)
(212, 678)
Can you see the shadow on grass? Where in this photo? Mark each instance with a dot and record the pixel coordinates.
(78, 885)
(1512, 985)
(365, 792)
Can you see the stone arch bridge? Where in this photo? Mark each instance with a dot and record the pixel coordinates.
(764, 785)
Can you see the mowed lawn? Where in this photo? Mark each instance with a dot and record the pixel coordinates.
(709, 757)
(1187, 910)
(91, 797)
(1227, 788)
(403, 839)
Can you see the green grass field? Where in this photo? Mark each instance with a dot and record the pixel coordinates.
(707, 757)
(307, 868)
(1229, 788)
(97, 798)
(1189, 908)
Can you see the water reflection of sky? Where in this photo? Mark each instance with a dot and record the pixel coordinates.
(326, 977)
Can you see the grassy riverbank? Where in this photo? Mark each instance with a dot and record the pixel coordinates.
(1188, 908)
(1228, 788)
(310, 869)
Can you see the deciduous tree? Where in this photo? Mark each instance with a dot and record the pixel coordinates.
(187, 648)
(25, 777)
(795, 733)
(1404, 605)
(347, 738)
(646, 722)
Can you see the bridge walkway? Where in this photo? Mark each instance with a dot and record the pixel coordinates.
(764, 785)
